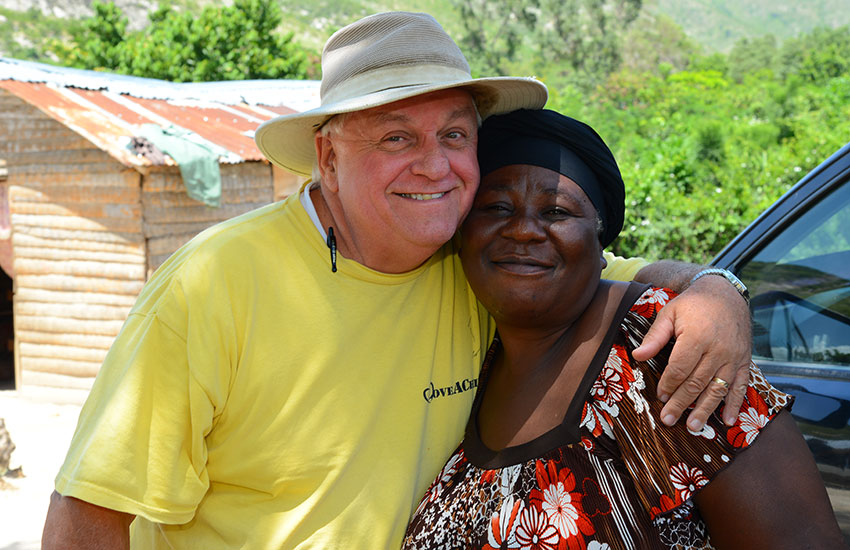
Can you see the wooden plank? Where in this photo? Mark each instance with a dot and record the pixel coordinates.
(167, 245)
(92, 341)
(82, 181)
(24, 240)
(72, 194)
(82, 311)
(72, 353)
(40, 169)
(106, 237)
(166, 229)
(112, 225)
(79, 284)
(64, 254)
(27, 294)
(197, 213)
(258, 194)
(73, 268)
(74, 326)
(67, 367)
(79, 158)
(94, 209)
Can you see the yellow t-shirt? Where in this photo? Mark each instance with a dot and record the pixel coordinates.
(255, 399)
(621, 269)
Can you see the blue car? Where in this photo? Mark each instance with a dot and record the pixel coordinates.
(795, 259)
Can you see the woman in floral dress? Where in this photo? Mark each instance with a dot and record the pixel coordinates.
(561, 449)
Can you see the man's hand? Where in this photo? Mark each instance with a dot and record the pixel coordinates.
(711, 324)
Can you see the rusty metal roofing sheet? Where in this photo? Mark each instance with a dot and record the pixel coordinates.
(108, 109)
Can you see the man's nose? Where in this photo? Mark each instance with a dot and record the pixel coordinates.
(432, 162)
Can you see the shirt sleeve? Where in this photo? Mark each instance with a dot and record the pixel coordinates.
(140, 445)
(621, 269)
(670, 464)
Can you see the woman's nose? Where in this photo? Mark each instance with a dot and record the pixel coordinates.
(523, 227)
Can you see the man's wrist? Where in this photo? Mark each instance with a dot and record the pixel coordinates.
(729, 276)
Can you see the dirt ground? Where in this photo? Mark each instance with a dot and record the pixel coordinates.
(41, 432)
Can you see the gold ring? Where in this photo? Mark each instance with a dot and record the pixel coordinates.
(721, 381)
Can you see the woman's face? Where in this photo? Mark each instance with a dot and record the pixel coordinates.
(530, 246)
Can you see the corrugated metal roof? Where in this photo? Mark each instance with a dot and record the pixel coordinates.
(108, 109)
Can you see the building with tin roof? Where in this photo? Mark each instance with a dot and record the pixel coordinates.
(92, 201)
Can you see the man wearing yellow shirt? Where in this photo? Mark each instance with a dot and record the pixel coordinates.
(295, 377)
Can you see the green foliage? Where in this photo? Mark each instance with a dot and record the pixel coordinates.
(562, 40)
(705, 141)
(703, 153)
(22, 34)
(220, 43)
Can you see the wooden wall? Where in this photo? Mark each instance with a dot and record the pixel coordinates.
(86, 232)
(171, 218)
(79, 249)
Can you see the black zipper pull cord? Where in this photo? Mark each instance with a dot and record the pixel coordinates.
(332, 246)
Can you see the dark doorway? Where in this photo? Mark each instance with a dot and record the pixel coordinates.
(7, 334)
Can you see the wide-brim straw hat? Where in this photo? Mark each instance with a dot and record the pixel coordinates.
(381, 59)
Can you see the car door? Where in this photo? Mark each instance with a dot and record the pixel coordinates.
(795, 260)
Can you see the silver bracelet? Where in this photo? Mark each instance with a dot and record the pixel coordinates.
(729, 276)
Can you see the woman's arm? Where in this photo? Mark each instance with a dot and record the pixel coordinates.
(771, 496)
(73, 523)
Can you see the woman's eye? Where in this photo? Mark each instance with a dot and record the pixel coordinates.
(557, 212)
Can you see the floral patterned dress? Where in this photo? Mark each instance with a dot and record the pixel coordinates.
(609, 477)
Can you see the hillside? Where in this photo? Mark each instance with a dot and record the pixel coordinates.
(718, 24)
(715, 24)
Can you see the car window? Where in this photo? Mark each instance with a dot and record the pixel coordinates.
(800, 287)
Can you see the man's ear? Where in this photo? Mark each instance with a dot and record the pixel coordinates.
(327, 162)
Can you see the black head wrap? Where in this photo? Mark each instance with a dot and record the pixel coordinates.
(562, 144)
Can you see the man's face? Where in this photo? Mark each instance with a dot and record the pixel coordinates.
(404, 175)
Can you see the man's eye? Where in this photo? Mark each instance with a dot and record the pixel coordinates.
(394, 143)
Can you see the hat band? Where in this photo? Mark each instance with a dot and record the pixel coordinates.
(393, 77)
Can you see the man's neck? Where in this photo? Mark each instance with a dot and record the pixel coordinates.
(378, 258)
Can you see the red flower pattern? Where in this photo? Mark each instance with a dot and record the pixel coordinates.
(556, 497)
(651, 302)
(535, 532)
(503, 526)
(556, 503)
(754, 416)
(686, 480)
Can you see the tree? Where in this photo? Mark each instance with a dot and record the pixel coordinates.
(97, 42)
(561, 37)
(221, 43)
(750, 56)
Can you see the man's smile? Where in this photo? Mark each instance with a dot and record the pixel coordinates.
(421, 196)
